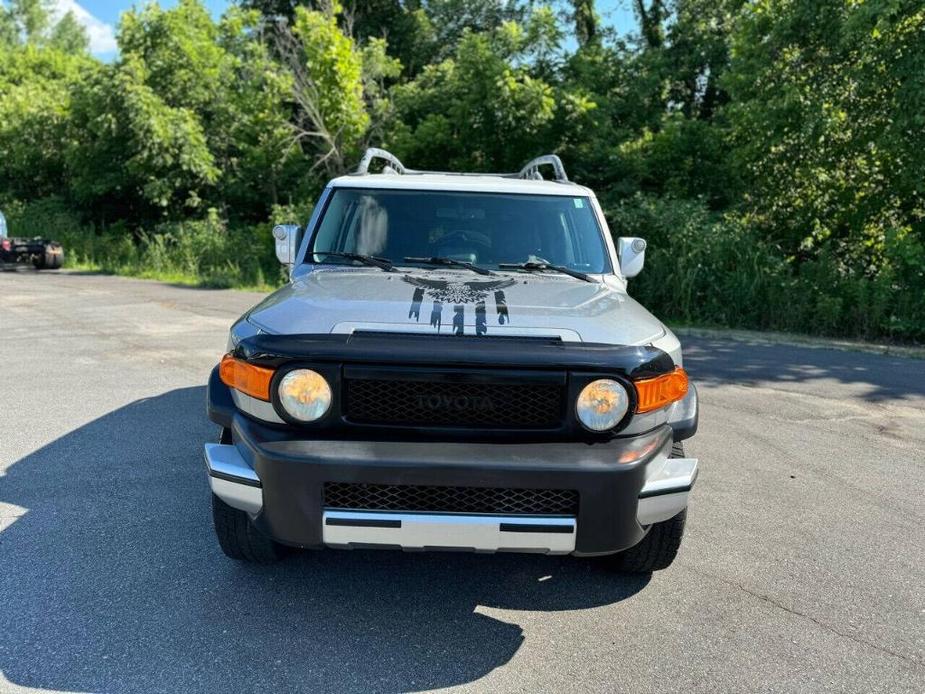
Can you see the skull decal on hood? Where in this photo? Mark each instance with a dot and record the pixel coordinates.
(446, 290)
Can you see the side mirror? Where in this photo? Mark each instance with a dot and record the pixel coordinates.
(286, 237)
(632, 253)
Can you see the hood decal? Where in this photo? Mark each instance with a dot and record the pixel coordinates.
(534, 305)
(449, 291)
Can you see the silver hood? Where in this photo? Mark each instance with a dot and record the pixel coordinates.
(343, 300)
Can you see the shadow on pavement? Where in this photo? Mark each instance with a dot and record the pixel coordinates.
(743, 362)
(112, 581)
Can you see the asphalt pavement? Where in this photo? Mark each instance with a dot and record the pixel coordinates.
(802, 570)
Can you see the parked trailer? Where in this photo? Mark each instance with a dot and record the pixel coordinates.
(41, 253)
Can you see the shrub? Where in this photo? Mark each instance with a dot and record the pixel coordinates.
(715, 269)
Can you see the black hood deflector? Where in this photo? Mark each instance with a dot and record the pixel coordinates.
(416, 349)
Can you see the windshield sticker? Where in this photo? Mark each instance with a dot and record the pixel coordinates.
(579, 203)
(459, 294)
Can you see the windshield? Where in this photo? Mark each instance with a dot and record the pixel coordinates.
(485, 229)
(2, 226)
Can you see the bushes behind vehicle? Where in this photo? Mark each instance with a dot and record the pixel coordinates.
(706, 268)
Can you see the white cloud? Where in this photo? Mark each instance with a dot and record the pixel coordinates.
(102, 36)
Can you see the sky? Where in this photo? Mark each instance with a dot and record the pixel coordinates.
(100, 17)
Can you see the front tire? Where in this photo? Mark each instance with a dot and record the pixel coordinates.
(238, 537)
(659, 547)
(656, 551)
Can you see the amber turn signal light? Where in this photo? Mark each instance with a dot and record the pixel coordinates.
(246, 378)
(655, 393)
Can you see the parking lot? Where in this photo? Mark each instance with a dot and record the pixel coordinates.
(803, 567)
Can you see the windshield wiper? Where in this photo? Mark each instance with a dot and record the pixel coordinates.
(371, 260)
(451, 262)
(539, 266)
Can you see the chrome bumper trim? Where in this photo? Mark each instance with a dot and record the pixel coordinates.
(427, 531)
(665, 492)
(232, 479)
(685, 409)
(255, 408)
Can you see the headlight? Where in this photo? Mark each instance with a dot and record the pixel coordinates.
(305, 395)
(602, 404)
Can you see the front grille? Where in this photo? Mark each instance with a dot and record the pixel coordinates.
(393, 497)
(454, 404)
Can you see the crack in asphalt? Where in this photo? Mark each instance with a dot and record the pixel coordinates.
(827, 627)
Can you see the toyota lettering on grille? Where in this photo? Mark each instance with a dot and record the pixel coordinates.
(457, 403)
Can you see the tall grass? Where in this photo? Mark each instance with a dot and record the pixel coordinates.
(706, 269)
(205, 252)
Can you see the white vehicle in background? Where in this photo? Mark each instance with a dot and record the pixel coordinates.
(454, 364)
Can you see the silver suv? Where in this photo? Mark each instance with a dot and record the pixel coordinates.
(454, 364)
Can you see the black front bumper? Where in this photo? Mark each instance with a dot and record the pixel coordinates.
(293, 470)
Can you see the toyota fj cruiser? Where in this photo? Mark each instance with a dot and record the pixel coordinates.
(454, 364)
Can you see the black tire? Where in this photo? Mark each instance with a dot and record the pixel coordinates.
(238, 537)
(54, 256)
(51, 258)
(656, 551)
(659, 547)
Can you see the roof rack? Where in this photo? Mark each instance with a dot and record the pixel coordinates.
(532, 169)
(376, 153)
(530, 172)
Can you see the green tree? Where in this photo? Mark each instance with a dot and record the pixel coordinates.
(327, 68)
(9, 32)
(418, 32)
(32, 22)
(657, 125)
(651, 16)
(477, 110)
(261, 167)
(828, 109)
(32, 18)
(69, 36)
(35, 89)
(133, 156)
(586, 22)
(223, 76)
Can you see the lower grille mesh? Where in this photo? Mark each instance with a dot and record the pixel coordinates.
(392, 497)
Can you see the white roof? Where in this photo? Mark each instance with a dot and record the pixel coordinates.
(473, 183)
